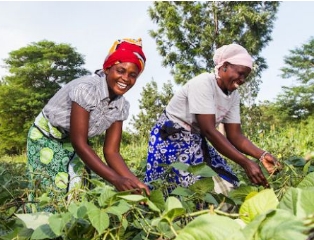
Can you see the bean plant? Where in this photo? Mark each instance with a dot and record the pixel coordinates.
(283, 211)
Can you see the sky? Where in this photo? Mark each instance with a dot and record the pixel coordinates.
(91, 27)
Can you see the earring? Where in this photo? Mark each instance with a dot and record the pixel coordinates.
(224, 69)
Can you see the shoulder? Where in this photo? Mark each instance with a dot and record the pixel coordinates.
(89, 86)
(235, 94)
(203, 79)
(88, 80)
(204, 75)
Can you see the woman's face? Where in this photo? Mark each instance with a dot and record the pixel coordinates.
(233, 76)
(120, 78)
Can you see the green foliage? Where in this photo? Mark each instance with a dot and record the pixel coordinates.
(300, 63)
(276, 224)
(102, 213)
(296, 102)
(44, 65)
(265, 127)
(12, 185)
(285, 211)
(258, 204)
(189, 32)
(152, 104)
(36, 72)
(304, 206)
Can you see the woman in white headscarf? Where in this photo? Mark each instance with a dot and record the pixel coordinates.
(192, 117)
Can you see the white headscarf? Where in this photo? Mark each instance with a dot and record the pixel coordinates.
(234, 54)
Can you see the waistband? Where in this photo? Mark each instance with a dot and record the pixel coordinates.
(42, 123)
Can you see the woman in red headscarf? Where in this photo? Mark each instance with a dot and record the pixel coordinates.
(57, 146)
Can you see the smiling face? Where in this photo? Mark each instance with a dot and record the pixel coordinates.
(232, 77)
(120, 78)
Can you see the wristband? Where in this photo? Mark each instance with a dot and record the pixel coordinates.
(262, 156)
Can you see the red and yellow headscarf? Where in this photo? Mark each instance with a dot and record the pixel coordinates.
(126, 50)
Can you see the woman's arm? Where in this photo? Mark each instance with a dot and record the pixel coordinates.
(113, 157)
(223, 145)
(79, 123)
(244, 145)
(237, 139)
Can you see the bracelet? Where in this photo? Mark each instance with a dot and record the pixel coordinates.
(262, 156)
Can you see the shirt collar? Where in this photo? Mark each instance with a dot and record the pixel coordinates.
(104, 92)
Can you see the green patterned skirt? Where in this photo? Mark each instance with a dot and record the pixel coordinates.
(53, 168)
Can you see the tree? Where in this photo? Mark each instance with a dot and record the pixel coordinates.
(36, 72)
(189, 32)
(300, 63)
(297, 102)
(152, 104)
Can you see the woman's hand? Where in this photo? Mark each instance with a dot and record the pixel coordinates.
(255, 174)
(126, 184)
(271, 163)
(143, 187)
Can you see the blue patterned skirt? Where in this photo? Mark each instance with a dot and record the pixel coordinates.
(170, 143)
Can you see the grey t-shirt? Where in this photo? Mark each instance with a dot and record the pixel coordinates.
(202, 95)
(91, 93)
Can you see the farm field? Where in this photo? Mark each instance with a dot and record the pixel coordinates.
(283, 211)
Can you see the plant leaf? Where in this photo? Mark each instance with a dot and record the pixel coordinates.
(105, 196)
(99, 218)
(57, 222)
(157, 198)
(34, 220)
(202, 170)
(120, 209)
(260, 203)
(173, 209)
(211, 227)
(181, 191)
(307, 181)
(134, 198)
(43, 232)
(202, 186)
(298, 201)
(180, 166)
(282, 225)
